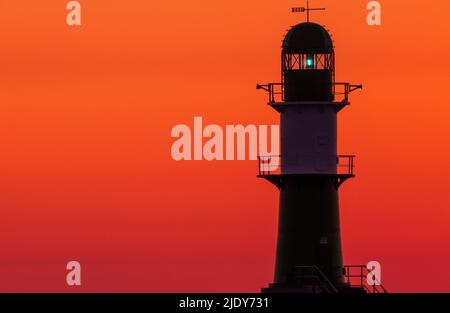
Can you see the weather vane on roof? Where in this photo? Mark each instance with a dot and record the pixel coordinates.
(307, 9)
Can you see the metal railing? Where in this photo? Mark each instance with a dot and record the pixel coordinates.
(275, 91)
(344, 89)
(356, 276)
(271, 165)
(339, 90)
(345, 164)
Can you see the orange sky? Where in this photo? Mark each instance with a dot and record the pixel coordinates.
(85, 120)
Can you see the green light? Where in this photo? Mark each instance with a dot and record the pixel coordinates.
(309, 62)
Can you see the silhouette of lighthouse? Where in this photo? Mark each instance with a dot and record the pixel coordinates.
(309, 171)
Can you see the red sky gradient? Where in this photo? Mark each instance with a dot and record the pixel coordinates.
(85, 120)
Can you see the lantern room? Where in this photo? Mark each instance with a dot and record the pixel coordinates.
(308, 63)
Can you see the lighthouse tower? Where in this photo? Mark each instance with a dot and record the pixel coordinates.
(309, 172)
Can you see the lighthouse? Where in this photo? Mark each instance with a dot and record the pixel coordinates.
(309, 172)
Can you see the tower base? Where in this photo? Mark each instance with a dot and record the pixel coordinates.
(309, 279)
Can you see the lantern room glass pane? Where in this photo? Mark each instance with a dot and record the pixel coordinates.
(292, 62)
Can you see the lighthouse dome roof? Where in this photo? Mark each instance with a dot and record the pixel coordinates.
(308, 38)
